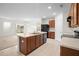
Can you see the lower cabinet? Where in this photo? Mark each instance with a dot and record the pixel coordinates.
(28, 44)
(38, 41)
(23, 45)
(32, 43)
(51, 35)
(65, 51)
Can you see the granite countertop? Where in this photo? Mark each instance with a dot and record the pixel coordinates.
(70, 43)
(30, 34)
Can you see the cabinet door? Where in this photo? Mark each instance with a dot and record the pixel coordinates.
(75, 15)
(29, 45)
(40, 40)
(51, 35)
(78, 12)
(72, 14)
(51, 23)
(37, 41)
(32, 42)
(23, 45)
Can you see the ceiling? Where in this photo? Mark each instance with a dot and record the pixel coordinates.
(31, 10)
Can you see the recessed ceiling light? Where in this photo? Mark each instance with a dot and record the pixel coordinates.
(49, 7)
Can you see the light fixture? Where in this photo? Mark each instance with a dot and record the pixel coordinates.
(49, 7)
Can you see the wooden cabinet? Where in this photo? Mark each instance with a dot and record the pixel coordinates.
(51, 23)
(78, 13)
(32, 43)
(37, 41)
(74, 13)
(28, 44)
(51, 35)
(23, 45)
(65, 51)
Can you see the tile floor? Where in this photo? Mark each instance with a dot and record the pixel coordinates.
(8, 41)
(51, 48)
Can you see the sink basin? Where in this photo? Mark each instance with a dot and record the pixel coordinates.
(37, 33)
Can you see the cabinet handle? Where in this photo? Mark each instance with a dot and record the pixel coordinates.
(22, 41)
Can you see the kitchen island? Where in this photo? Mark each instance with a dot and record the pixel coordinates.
(69, 47)
(30, 42)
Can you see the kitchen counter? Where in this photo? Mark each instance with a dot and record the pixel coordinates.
(72, 43)
(31, 34)
(30, 42)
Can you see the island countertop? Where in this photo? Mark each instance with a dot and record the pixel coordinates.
(72, 43)
(30, 42)
(31, 34)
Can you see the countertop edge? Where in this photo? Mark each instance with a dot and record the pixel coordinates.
(32, 34)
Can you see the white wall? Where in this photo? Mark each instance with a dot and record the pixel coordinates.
(45, 21)
(8, 31)
(29, 26)
(66, 29)
(33, 25)
(59, 26)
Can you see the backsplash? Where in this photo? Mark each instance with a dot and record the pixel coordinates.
(32, 27)
(52, 29)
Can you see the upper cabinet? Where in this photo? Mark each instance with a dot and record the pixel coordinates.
(73, 18)
(51, 23)
(78, 12)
